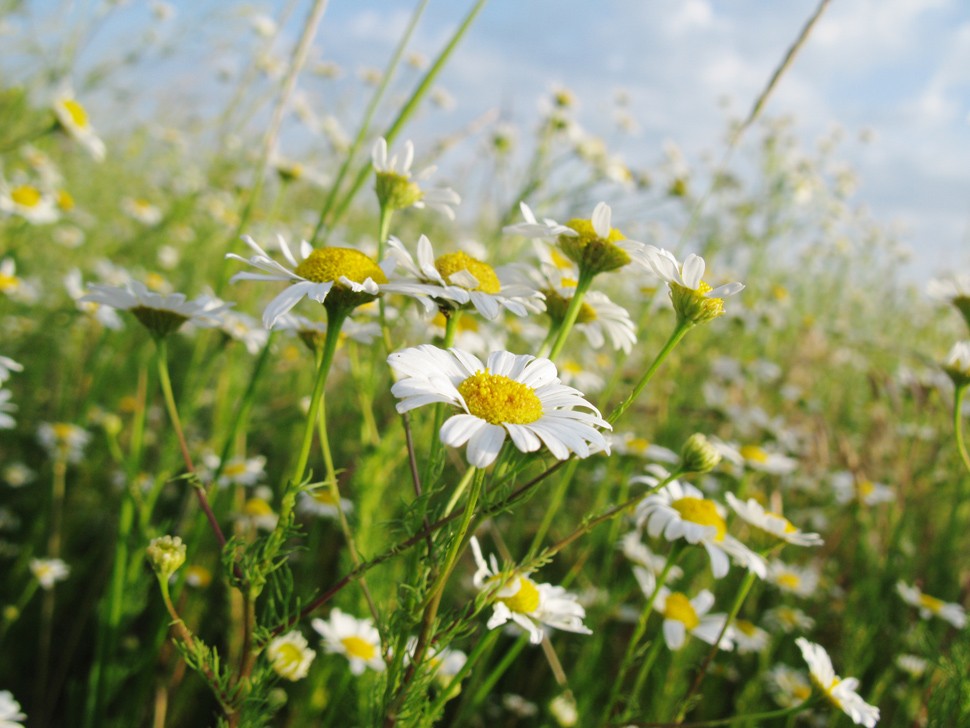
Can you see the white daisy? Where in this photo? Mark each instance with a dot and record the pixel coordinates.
(789, 687)
(242, 471)
(693, 299)
(322, 503)
(849, 487)
(640, 554)
(160, 313)
(629, 443)
(63, 441)
(7, 367)
(788, 619)
(29, 202)
(679, 510)
(314, 333)
(776, 525)
(73, 118)
(6, 409)
(10, 713)
(929, 606)
(802, 581)
(444, 661)
(398, 189)
(105, 315)
(464, 280)
(356, 639)
(49, 571)
(957, 363)
(683, 616)
(9, 282)
(840, 692)
(749, 637)
(526, 603)
(141, 210)
(344, 276)
(290, 655)
(245, 329)
(515, 395)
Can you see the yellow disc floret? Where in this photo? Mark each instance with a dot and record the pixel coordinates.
(679, 608)
(592, 253)
(526, 599)
(329, 264)
(77, 113)
(25, 196)
(702, 512)
(754, 454)
(451, 263)
(931, 603)
(691, 304)
(498, 400)
(359, 647)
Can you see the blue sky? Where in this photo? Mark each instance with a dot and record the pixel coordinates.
(898, 69)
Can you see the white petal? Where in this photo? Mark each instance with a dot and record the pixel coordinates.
(693, 271)
(484, 445)
(602, 214)
(458, 429)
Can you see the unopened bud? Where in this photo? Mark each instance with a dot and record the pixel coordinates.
(699, 455)
(166, 554)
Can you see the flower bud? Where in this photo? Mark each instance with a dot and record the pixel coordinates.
(957, 364)
(166, 554)
(699, 455)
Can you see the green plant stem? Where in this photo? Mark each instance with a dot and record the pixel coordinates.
(641, 627)
(572, 313)
(647, 665)
(334, 324)
(958, 425)
(679, 333)
(166, 383)
(459, 490)
(749, 718)
(451, 330)
(482, 646)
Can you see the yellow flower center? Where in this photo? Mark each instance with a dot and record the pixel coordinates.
(198, 576)
(77, 113)
(64, 200)
(257, 507)
(865, 488)
(233, 469)
(25, 196)
(497, 399)
(8, 283)
(679, 608)
(931, 603)
(701, 511)
(450, 263)
(525, 600)
(328, 264)
(63, 431)
(591, 252)
(638, 444)
(801, 692)
(324, 496)
(287, 656)
(746, 628)
(788, 580)
(788, 527)
(754, 454)
(359, 647)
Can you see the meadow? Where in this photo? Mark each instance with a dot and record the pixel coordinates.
(333, 437)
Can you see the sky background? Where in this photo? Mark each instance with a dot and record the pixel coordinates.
(898, 70)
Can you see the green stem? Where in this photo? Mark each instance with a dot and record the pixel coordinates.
(679, 333)
(451, 330)
(481, 647)
(459, 490)
(572, 313)
(958, 425)
(646, 665)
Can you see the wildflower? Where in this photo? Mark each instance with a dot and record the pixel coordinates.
(636, 551)
(788, 619)
(598, 317)
(290, 656)
(7, 367)
(29, 202)
(245, 329)
(841, 693)
(9, 282)
(698, 455)
(683, 616)
(6, 408)
(356, 639)
(563, 709)
(105, 315)
(679, 510)
(914, 665)
(198, 576)
(459, 280)
(323, 503)
(629, 443)
(49, 571)
(957, 364)
(141, 210)
(757, 458)
(161, 314)
(849, 487)
(73, 118)
(339, 278)
(243, 471)
(790, 687)
(523, 601)
(166, 554)
(772, 523)
(63, 441)
(515, 395)
(749, 637)
(446, 663)
(954, 290)
(397, 190)
(10, 713)
(800, 581)
(17, 475)
(931, 606)
(258, 513)
(694, 300)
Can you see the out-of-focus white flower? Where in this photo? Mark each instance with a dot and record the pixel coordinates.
(356, 639)
(772, 523)
(290, 656)
(929, 606)
(49, 571)
(840, 692)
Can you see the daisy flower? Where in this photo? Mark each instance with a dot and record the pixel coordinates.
(840, 692)
(790, 687)
(629, 443)
(63, 441)
(957, 364)
(788, 619)
(518, 396)
(242, 471)
(141, 210)
(244, 329)
(160, 313)
(443, 661)
(463, 280)
(679, 510)
(749, 637)
(598, 319)
(73, 118)
(49, 571)
(526, 603)
(10, 712)
(765, 461)
(105, 315)
(800, 581)
(772, 523)
(33, 204)
(397, 189)
(7, 367)
(954, 290)
(290, 656)
(682, 615)
(339, 278)
(9, 282)
(356, 639)
(849, 487)
(7, 408)
(694, 300)
(321, 502)
(314, 333)
(931, 606)
(640, 554)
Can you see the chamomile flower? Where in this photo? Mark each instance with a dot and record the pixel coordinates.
(788, 619)
(789, 687)
(931, 606)
(314, 333)
(33, 204)
(10, 713)
(9, 282)
(49, 571)
(7, 408)
(679, 510)
(463, 280)
(160, 313)
(598, 319)
(749, 637)
(142, 210)
(957, 364)
(444, 662)
(694, 300)
(322, 502)
(63, 441)
(290, 656)
(397, 189)
(802, 581)
(7, 367)
(244, 329)
(849, 487)
(772, 523)
(683, 616)
(632, 546)
(526, 603)
(242, 471)
(518, 396)
(73, 119)
(629, 443)
(840, 692)
(356, 639)
(767, 461)
(105, 315)
(339, 278)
